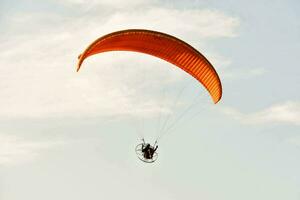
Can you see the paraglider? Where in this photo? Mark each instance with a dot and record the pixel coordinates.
(163, 46)
(147, 152)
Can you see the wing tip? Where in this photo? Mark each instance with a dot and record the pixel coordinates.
(78, 67)
(217, 99)
(79, 62)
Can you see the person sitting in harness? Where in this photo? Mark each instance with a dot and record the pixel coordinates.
(148, 150)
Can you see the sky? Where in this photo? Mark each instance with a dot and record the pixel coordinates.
(69, 135)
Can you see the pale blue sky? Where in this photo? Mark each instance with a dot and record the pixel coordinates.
(67, 135)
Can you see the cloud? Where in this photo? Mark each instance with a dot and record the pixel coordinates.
(16, 150)
(106, 3)
(288, 112)
(294, 140)
(102, 2)
(238, 74)
(38, 76)
(193, 23)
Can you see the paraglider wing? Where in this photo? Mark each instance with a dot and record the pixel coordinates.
(163, 46)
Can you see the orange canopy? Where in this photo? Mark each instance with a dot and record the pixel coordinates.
(163, 46)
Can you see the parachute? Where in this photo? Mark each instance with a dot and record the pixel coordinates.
(168, 48)
(163, 46)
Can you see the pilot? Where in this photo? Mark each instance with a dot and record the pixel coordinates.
(148, 151)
